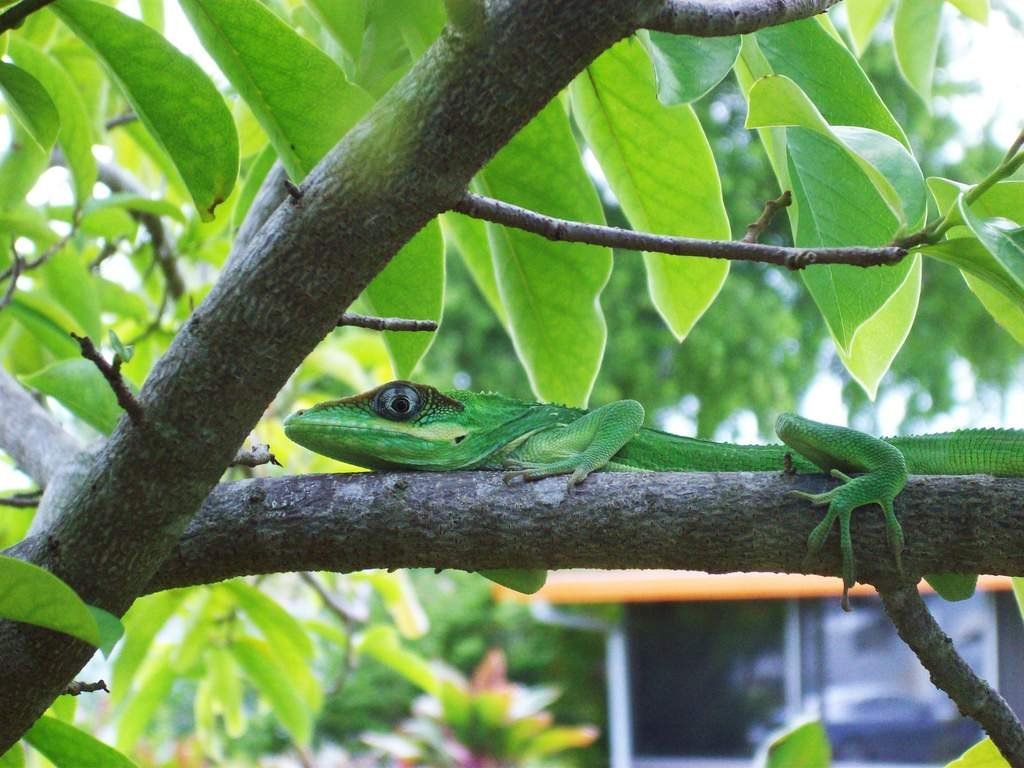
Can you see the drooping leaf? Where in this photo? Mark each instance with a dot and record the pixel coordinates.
(380, 642)
(953, 586)
(142, 622)
(829, 74)
(69, 283)
(150, 692)
(549, 290)
(47, 322)
(81, 388)
(410, 286)
(35, 596)
(1002, 237)
(969, 256)
(659, 165)
(274, 685)
(915, 36)
(226, 686)
(805, 746)
(521, 581)
(689, 67)
(75, 134)
(973, 9)
(399, 598)
(1004, 311)
(469, 237)
(68, 747)
(28, 100)
(20, 166)
(864, 16)
(345, 20)
(299, 95)
(170, 93)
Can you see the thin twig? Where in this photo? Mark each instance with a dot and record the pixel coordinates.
(386, 323)
(13, 17)
(112, 373)
(22, 500)
(771, 208)
(122, 119)
(15, 273)
(77, 687)
(255, 456)
(949, 672)
(1016, 147)
(27, 265)
(551, 228)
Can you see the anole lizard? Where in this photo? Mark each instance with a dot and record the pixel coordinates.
(402, 425)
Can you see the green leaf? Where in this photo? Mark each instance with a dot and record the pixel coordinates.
(344, 19)
(971, 257)
(142, 622)
(984, 754)
(23, 220)
(973, 9)
(1003, 238)
(659, 165)
(13, 757)
(298, 94)
(279, 627)
(136, 204)
(258, 170)
(20, 167)
(915, 37)
(524, 582)
(829, 74)
(122, 351)
(410, 286)
(399, 598)
(687, 68)
(110, 629)
(469, 238)
(380, 642)
(953, 586)
(30, 103)
(67, 747)
(560, 738)
(1007, 313)
(170, 93)
(864, 16)
(81, 388)
(838, 205)
(35, 596)
(68, 281)
(227, 690)
(48, 323)
(152, 688)
(549, 290)
(75, 134)
(805, 746)
(274, 685)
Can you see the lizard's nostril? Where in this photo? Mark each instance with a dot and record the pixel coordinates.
(299, 413)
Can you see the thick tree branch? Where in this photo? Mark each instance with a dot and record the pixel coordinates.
(722, 18)
(471, 520)
(949, 672)
(30, 435)
(409, 159)
(481, 207)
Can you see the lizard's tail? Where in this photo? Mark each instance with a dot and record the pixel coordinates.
(966, 452)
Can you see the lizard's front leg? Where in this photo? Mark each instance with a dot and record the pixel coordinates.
(838, 451)
(578, 448)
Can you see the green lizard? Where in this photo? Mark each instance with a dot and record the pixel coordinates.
(402, 425)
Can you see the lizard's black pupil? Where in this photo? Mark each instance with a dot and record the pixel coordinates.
(400, 404)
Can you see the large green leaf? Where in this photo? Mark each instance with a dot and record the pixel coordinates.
(381, 643)
(31, 104)
(274, 685)
(829, 74)
(805, 746)
(469, 238)
(150, 693)
(412, 286)
(659, 165)
(81, 388)
(839, 206)
(68, 281)
(688, 67)
(20, 166)
(1004, 311)
(298, 94)
(549, 290)
(1001, 236)
(35, 596)
(345, 20)
(144, 619)
(971, 257)
(67, 747)
(75, 134)
(13, 757)
(915, 36)
(169, 92)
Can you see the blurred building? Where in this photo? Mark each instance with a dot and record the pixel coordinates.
(703, 669)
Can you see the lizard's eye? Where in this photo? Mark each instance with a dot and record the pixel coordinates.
(398, 403)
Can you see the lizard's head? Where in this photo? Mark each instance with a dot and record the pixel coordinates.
(398, 425)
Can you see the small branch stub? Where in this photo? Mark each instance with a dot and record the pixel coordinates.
(386, 323)
(112, 373)
(77, 688)
(499, 212)
(771, 208)
(255, 456)
(21, 500)
(294, 191)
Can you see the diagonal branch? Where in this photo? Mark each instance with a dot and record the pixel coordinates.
(498, 212)
(949, 672)
(30, 435)
(14, 16)
(722, 18)
(719, 523)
